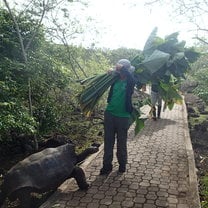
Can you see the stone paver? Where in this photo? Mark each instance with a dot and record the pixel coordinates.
(160, 171)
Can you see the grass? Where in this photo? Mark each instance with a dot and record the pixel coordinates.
(204, 192)
(200, 119)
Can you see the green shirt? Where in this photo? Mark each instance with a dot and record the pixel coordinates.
(116, 106)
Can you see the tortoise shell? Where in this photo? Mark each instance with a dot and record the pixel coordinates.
(42, 171)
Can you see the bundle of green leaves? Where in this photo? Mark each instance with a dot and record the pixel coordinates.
(164, 61)
(94, 88)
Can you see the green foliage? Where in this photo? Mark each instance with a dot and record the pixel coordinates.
(15, 117)
(204, 192)
(14, 76)
(151, 43)
(170, 95)
(191, 55)
(200, 75)
(139, 123)
(10, 45)
(54, 86)
(164, 60)
(55, 71)
(155, 61)
(201, 90)
(120, 53)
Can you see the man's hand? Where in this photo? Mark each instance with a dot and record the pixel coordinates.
(110, 71)
(119, 67)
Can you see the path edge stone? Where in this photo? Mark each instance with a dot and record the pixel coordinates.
(193, 180)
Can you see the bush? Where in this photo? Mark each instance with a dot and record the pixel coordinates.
(15, 118)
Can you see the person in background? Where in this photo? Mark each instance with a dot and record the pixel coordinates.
(156, 99)
(116, 117)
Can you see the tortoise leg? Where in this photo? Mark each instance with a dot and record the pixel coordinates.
(2, 198)
(24, 196)
(80, 178)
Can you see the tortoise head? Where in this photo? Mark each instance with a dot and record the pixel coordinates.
(90, 150)
(94, 148)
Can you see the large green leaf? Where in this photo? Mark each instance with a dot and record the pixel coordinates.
(180, 46)
(139, 122)
(178, 56)
(149, 46)
(170, 94)
(139, 125)
(155, 61)
(152, 43)
(173, 37)
(191, 55)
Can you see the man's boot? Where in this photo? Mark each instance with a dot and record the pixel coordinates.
(158, 111)
(154, 113)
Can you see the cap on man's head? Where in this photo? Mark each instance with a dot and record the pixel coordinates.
(126, 64)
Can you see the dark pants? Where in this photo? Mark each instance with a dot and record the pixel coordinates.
(115, 127)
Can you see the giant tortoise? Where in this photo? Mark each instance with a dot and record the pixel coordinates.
(44, 171)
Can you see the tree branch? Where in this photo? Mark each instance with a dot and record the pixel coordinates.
(201, 40)
(17, 30)
(38, 26)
